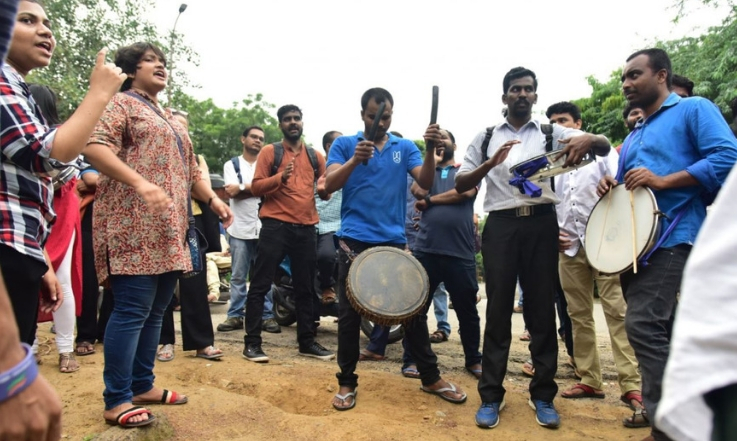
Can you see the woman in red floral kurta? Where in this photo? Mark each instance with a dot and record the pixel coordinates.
(147, 169)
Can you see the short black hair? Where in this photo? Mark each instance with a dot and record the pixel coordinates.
(564, 107)
(627, 110)
(128, 57)
(248, 130)
(378, 94)
(658, 60)
(733, 106)
(327, 137)
(681, 81)
(45, 97)
(515, 73)
(283, 110)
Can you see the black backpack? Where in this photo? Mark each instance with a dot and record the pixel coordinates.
(278, 155)
(547, 130)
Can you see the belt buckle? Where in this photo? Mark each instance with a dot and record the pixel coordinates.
(524, 211)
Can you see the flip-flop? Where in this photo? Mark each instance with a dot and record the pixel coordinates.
(345, 397)
(410, 372)
(207, 356)
(122, 419)
(168, 397)
(165, 349)
(528, 368)
(632, 395)
(587, 392)
(475, 372)
(89, 348)
(441, 393)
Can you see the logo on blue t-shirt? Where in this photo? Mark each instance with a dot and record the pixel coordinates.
(397, 156)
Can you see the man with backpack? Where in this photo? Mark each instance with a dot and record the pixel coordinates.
(243, 233)
(520, 239)
(285, 177)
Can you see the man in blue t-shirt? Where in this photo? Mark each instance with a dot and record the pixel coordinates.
(445, 245)
(372, 214)
(682, 150)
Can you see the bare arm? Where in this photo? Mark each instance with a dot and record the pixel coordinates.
(72, 136)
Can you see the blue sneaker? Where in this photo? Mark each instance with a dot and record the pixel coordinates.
(545, 413)
(487, 416)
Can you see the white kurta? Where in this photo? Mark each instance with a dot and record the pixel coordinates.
(703, 352)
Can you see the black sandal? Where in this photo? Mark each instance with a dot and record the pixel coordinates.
(638, 419)
(438, 337)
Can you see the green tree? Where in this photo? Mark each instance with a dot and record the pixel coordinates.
(216, 132)
(83, 27)
(602, 111)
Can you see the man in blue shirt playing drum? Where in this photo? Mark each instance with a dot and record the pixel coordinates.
(372, 214)
(682, 149)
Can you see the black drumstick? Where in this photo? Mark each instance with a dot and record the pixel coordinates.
(375, 125)
(434, 111)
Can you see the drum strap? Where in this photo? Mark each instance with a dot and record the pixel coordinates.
(348, 251)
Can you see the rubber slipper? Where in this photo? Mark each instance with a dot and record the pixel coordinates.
(89, 348)
(165, 349)
(411, 372)
(632, 395)
(366, 355)
(207, 356)
(475, 372)
(586, 392)
(441, 393)
(345, 397)
(168, 397)
(122, 419)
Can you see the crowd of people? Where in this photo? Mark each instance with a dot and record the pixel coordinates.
(114, 200)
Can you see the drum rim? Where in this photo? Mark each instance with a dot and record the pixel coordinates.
(652, 237)
(388, 319)
(587, 159)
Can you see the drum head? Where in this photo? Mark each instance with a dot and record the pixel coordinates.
(608, 242)
(387, 285)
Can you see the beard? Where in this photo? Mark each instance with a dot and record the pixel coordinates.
(290, 137)
(448, 154)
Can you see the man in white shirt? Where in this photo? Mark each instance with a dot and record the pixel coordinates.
(244, 232)
(577, 192)
(520, 239)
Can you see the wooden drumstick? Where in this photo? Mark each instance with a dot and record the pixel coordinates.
(606, 216)
(634, 231)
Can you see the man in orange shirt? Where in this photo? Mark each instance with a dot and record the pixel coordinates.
(284, 177)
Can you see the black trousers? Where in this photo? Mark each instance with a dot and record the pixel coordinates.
(196, 319)
(349, 328)
(22, 275)
(87, 329)
(526, 247)
(326, 260)
(723, 402)
(277, 240)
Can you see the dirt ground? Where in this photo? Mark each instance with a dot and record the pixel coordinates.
(289, 398)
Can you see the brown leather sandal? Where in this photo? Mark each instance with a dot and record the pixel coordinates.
(67, 363)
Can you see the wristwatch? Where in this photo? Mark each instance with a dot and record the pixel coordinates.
(427, 200)
(242, 187)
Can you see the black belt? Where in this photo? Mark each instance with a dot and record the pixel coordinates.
(525, 211)
(268, 219)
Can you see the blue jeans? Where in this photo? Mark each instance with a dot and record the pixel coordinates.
(440, 305)
(132, 334)
(243, 253)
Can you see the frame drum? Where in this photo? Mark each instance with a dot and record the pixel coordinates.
(608, 241)
(387, 285)
(550, 168)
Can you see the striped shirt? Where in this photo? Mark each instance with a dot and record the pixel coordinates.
(26, 192)
(500, 194)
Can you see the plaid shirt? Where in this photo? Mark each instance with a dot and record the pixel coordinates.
(26, 193)
(329, 212)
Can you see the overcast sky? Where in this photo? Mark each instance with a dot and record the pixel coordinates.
(322, 55)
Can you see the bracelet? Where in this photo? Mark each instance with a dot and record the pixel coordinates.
(17, 379)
